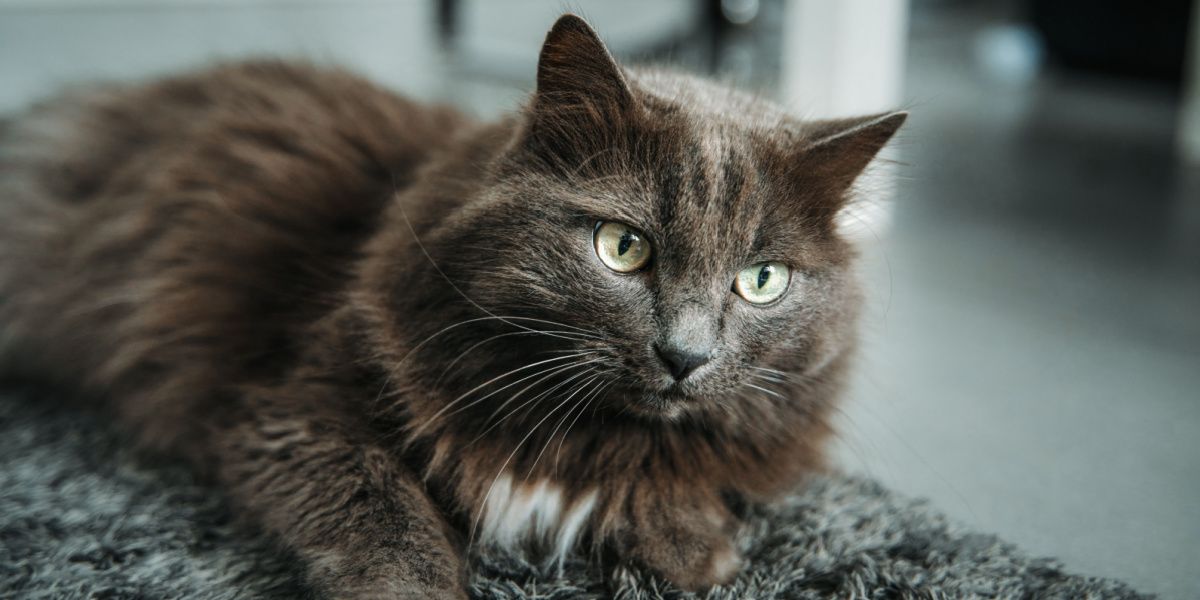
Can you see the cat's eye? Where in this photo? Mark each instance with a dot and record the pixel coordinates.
(621, 247)
(763, 282)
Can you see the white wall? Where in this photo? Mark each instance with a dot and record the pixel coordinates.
(844, 58)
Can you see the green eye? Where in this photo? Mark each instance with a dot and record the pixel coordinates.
(763, 282)
(620, 247)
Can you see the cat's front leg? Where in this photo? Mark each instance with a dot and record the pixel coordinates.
(362, 523)
(684, 537)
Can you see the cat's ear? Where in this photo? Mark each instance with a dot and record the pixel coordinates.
(836, 151)
(576, 70)
(582, 103)
(827, 156)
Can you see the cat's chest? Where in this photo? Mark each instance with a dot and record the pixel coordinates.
(519, 513)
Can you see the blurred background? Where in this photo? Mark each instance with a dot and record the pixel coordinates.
(1032, 351)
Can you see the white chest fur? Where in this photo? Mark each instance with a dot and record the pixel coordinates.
(519, 513)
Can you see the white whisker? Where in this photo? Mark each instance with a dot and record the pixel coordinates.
(451, 364)
(578, 388)
(766, 391)
(483, 504)
(583, 408)
(396, 367)
(451, 404)
(536, 398)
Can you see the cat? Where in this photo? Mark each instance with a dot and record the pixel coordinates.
(392, 334)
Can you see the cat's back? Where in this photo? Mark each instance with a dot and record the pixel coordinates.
(268, 115)
(199, 214)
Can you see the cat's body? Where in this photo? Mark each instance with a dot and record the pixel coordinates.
(383, 328)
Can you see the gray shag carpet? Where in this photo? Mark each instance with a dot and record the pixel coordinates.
(82, 517)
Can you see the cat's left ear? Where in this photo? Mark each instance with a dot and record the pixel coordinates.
(831, 154)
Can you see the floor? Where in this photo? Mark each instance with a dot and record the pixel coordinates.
(1032, 357)
(1032, 353)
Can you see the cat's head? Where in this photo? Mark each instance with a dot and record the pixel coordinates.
(675, 242)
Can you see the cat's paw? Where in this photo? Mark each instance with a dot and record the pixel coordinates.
(694, 564)
(724, 565)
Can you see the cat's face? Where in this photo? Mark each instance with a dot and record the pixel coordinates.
(676, 240)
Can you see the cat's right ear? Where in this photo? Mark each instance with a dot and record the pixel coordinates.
(575, 70)
(582, 100)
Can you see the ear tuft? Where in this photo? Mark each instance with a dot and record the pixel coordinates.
(576, 68)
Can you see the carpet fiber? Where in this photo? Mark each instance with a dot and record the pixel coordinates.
(81, 517)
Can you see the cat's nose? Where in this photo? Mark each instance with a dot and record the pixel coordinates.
(680, 362)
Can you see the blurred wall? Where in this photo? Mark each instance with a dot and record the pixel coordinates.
(844, 58)
(847, 58)
(1189, 128)
(47, 44)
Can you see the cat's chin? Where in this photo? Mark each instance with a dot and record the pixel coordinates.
(661, 407)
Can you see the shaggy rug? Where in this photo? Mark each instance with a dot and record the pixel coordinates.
(81, 517)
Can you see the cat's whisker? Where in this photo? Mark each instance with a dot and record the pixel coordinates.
(448, 406)
(774, 384)
(500, 471)
(582, 331)
(786, 388)
(450, 327)
(590, 331)
(541, 375)
(536, 398)
(394, 369)
(600, 388)
(451, 364)
(492, 424)
(383, 388)
(782, 378)
(770, 378)
(767, 370)
(766, 391)
(596, 407)
(578, 388)
(559, 351)
(771, 374)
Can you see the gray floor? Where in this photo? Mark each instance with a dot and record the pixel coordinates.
(1032, 362)
(1032, 356)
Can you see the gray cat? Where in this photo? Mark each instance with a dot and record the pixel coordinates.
(608, 322)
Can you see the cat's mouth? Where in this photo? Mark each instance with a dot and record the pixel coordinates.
(666, 404)
(653, 395)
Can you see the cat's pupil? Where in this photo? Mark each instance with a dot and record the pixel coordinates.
(763, 275)
(623, 245)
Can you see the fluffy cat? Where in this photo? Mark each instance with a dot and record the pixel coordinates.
(392, 334)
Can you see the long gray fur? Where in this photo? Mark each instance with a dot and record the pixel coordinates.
(82, 517)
